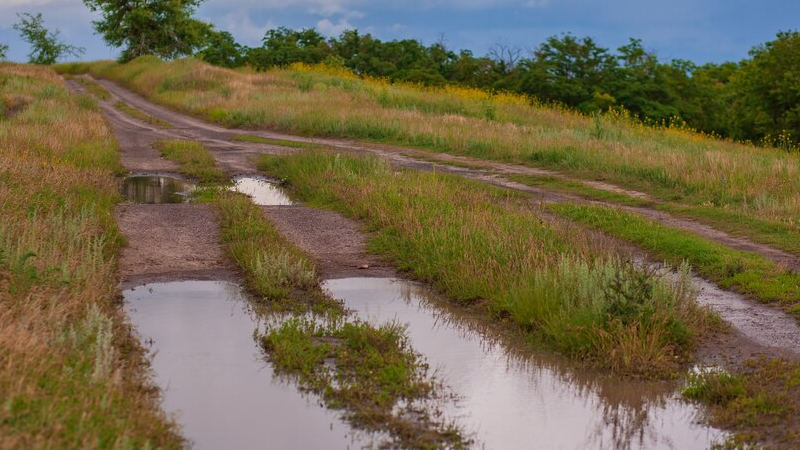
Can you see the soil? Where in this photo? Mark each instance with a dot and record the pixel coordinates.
(336, 243)
(170, 242)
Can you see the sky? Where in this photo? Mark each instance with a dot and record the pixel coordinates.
(698, 30)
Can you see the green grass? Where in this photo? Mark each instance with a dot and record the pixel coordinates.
(94, 88)
(375, 370)
(748, 273)
(280, 142)
(575, 187)
(144, 117)
(194, 158)
(760, 404)
(480, 244)
(72, 374)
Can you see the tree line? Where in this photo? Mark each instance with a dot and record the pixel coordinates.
(756, 99)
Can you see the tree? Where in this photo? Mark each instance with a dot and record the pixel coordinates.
(46, 48)
(3, 51)
(221, 49)
(163, 28)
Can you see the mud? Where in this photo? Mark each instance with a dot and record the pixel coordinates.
(520, 400)
(171, 239)
(155, 189)
(337, 244)
(214, 377)
(262, 192)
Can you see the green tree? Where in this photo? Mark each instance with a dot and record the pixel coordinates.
(46, 48)
(3, 51)
(283, 46)
(164, 28)
(767, 101)
(221, 49)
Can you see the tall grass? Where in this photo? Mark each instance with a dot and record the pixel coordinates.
(564, 287)
(71, 374)
(669, 163)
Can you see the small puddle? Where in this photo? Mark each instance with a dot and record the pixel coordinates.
(154, 189)
(215, 378)
(511, 402)
(263, 191)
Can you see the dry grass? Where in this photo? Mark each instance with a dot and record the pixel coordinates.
(68, 363)
(671, 163)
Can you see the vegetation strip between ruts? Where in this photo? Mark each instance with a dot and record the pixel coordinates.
(366, 371)
(576, 293)
(70, 362)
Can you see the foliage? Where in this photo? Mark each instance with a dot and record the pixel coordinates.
(164, 28)
(46, 48)
(3, 51)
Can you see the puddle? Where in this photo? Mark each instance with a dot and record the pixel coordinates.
(511, 402)
(153, 189)
(262, 191)
(215, 378)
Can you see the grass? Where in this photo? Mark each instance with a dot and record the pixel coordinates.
(779, 235)
(69, 362)
(760, 405)
(94, 88)
(280, 142)
(369, 372)
(563, 287)
(195, 160)
(668, 163)
(144, 117)
(745, 272)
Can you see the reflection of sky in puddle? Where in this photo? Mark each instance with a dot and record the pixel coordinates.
(215, 377)
(262, 191)
(511, 403)
(152, 189)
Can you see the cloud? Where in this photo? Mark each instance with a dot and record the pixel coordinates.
(329, 28)
(242, 27)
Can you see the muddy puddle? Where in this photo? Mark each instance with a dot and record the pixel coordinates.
(215, 378)
(262, 191)
(514, 402)
(154, 189)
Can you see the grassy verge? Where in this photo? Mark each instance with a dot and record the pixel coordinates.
(71, 375)
(94, 88)
(371, 373)
(746, 272)
(777, 234)
(476, 243)
(670, 164)
(144, 117)
(760, 404)
(195, 160)
(270, 141)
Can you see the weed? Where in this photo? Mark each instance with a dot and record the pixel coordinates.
(195, 160)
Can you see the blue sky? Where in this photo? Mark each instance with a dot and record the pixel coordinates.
(699, 30)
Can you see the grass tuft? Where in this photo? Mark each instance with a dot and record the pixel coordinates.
(194, 158)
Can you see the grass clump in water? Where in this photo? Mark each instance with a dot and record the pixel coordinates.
(195, 160)
(760, 404)
(367, 371)
(482, 245)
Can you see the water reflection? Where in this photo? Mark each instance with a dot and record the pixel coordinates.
(214, 376)
(152, 189)
(511, 399)
(262, 191)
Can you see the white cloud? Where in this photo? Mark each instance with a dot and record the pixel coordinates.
(329, 28)
(242, 27)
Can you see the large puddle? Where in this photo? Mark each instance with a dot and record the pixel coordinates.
(153, 189)
(215, 378)
(262, 191)
(511, 402)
